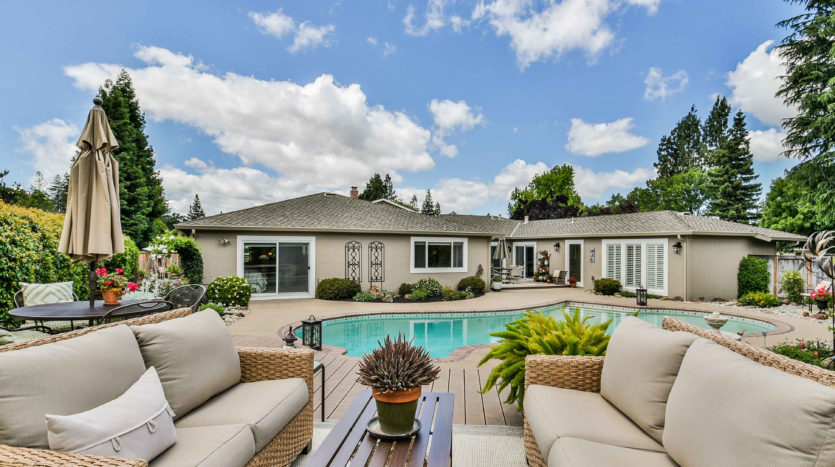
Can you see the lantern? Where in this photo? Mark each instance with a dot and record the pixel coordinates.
(312, 333)
(641, 297)
(290, 338)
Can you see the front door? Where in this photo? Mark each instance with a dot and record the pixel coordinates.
(574, 260)
(524, 254)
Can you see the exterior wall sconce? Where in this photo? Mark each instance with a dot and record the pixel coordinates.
(591, 255)
(677, 248)
(557, 247)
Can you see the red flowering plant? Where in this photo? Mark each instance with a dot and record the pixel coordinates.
(821, 294)
(115, 280)
(572, 280)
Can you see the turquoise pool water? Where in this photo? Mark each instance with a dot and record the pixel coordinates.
(441, 333)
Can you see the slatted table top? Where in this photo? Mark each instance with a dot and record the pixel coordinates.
(349, 443)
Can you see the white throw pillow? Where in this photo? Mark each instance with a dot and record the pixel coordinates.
(138, 424)
(44, 294)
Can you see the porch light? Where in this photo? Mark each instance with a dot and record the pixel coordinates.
(312, 333)
(557, 247)
(289, 338)
(677, 247)
(641, 296)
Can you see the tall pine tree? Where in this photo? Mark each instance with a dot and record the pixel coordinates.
(430, 208)
(715, 128)
(732, 179)
(683, 148)
(140, 187)
(196, 209)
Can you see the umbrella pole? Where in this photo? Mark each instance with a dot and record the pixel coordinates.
(93, 279)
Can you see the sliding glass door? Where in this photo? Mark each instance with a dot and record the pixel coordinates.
(524, 255)
(277, 266)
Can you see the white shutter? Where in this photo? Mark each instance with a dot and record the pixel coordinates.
(655, 266)
(633, 265)
(613, 261)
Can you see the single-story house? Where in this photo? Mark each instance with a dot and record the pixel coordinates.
(285, 248)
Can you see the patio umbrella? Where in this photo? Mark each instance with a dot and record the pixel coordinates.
(92, 225)
(502, 250)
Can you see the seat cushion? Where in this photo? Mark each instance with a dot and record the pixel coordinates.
(725, 409)
(63, 378)
(266, 406)
(43, 294)
(556, 412)
(575, 452)
(209, 446)
(642, 361)
(194, 356)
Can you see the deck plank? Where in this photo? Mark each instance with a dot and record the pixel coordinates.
(456, 386)
(493, 414)
(442, 383)
(474, 414)
(512, 417)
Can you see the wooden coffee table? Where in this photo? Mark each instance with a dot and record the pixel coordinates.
(349, 442)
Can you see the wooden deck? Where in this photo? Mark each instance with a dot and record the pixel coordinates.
(471, 407)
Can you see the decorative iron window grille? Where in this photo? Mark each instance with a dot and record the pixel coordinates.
(376, 262)
(353, 261)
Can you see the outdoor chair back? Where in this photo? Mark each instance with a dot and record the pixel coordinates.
(132, 310)
(187, 296)
(559, 276)
(516, 273)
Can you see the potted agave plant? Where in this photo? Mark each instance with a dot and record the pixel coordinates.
(395, 372)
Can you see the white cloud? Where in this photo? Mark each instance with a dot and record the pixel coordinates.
(755, 82)
(516, 174)
(450, 116)
(306, 35)
(50, 145)
(459, 195)
(322, 134)
(388, 49)
(592, 185)
(434, 18)
(594, 139)
(372, 40)
(547, 32)
(767, 145)
(661, 87)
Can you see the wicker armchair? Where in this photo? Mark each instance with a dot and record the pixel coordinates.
(257, 364)
(583, 373)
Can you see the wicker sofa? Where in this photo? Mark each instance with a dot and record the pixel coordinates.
(256, 365)
(684, 401)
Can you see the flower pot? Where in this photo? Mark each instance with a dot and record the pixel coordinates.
(821, 304)
(573, 285)
(497, 285)
(396, 410)
(111, 296)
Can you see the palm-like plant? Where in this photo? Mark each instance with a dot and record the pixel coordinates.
(540, 334)
(397, 366)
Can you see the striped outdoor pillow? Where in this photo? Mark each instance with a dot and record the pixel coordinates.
(41, 294)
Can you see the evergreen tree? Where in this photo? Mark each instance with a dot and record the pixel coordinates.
(430, 208)
(58, 190)
(683, 148)
(196, 209)
(388, 189)
(414, 202)
(140, 187)
(715, 128)
(375, 188)
(437, 211)
(732, 180)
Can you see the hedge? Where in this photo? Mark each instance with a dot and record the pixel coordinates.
(190, 258)
(473, 284)
(337, 289)
(29, 253)
(753, 276)
(607, 286)
(128, 260)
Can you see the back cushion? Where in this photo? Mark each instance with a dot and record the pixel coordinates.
(42, 294)
(194, 357)
(725, 409)
(63, 378)
(641, 364)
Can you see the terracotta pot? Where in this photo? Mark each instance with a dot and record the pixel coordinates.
(111, 296)
(573, 285)
(396, 410)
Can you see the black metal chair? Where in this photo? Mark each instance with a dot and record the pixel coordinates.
(38, 326)
(132, 310)
(187, 296)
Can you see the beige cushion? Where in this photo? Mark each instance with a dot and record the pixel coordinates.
(266, 406)
(556, 412)
(641, 364)
(63, 378)
(136, 425)
(43, 294)
(725, 409)
(194, 356)
(575, 452)
(210, 446)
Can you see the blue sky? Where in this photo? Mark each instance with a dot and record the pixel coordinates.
(250, 102)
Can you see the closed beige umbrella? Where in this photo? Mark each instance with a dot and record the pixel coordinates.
(92, 226)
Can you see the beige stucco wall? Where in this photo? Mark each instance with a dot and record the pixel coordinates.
(713, 263)
(221, 260)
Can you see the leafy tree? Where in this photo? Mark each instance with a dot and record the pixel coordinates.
(617, 204)
(683, 192)
(550, 195)
(140, 187)
(732, 180)
(430, 208)
(787, 206)
(378, 187)
(19, 196)
(196, 209)
(682, 149)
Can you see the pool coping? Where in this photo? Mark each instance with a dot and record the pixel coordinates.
(460, 353)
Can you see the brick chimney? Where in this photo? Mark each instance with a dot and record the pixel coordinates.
(354, 192)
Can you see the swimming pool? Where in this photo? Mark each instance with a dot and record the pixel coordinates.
(441, 333)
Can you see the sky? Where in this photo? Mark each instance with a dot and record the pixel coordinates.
(251, 102)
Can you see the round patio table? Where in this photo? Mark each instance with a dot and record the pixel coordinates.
(75, 311)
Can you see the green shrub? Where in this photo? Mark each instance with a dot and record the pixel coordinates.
(607, 286)
(127, 261)
(752, 276)
(190, 258)
(174, 271)
(337, 289)
(418, 295)
(497, 278)
(792, 284)
(473, 284)
(229, 291)
(537, 333)
(626, 293)
(429, 285)
(812, 352)
(760, 299)
(220, 309)
(364, 297)
(405, 288)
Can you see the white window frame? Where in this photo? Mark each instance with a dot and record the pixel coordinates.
(451, 241)
(513, 257)
(311, 258)
(644, 263)
(582, 244)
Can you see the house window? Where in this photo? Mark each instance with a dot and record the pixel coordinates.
(613, 261)
(637, 263)
(433, 254)
(633, 265)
